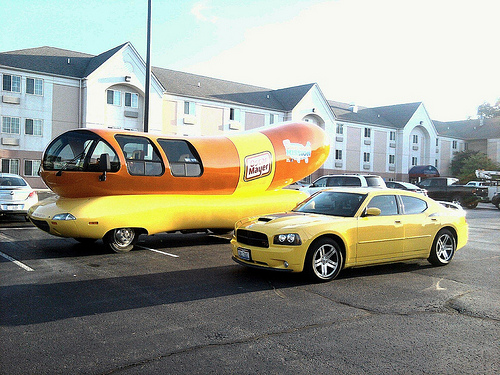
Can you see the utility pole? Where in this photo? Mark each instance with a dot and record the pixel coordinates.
(148, 72)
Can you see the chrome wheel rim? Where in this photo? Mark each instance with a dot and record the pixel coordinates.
(445, 247)
(123, 237)
(326, 261)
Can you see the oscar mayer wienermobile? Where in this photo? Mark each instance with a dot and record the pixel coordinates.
(116, 185)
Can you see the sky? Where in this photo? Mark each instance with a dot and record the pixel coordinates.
(443, 53)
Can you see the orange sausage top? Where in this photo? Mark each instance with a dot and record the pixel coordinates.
(101, 162)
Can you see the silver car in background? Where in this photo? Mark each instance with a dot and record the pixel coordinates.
(16, 195)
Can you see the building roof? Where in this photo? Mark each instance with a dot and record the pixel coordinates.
(198, 86)
(394, 116)
(488, 128)
(56, 61)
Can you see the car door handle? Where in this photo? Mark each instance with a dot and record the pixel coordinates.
(397, 221)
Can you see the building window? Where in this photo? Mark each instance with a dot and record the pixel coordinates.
(234, 114)
(455, 145)
(114, 97)
(340, 129)
(131, 100)
(11, 83)
(392, 136)
(366, 157)
(392, 159)
(33, 126)
(368, 132)
(271, 119)
(10, 125)
(338, 154)
(34, 86)
(436, 163)
(10, 166)
(414, 161)
(415, 138)
(437, 142)
(189, 108)
(31, 167)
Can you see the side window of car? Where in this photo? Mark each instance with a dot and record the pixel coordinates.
(387, 204)
(413, 205)
(321, 182)
(141, 155)
(182, 157)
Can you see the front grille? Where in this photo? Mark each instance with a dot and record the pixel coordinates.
(250, 238)
(43, 225)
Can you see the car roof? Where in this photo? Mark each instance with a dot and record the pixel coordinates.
(373, 191)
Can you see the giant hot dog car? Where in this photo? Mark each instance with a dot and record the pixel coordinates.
(116, 185)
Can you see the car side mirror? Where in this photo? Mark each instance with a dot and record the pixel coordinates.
(372, 211)
(104, 166)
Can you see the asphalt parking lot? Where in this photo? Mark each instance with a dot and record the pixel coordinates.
(178, 304)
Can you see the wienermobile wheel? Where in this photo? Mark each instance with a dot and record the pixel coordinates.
(121, 240)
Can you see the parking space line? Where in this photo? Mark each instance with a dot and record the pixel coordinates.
(158, 251)
(18, 263)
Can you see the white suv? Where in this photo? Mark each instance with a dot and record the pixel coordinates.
(344, 180)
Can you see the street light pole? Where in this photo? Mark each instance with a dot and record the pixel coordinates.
(148, 72)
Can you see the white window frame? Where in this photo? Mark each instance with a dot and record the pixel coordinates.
(35, 167)
(392, 136)
(12, 167)
(189, 108)
(13, 85)
(7, 122)
(392, 159)
(454, 145)
(339, 129)
(414, 161)
(234, 114)
(117, 96)
(368, 132)
(37, 86)
(366, 156)
(133, 103)
(37, 127)
(338, 154)
(415, 138)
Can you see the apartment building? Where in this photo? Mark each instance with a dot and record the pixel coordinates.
(46, 91)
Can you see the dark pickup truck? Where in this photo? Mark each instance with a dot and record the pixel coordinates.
(446, 189)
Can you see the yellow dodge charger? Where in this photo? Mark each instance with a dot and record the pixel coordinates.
(341, 228)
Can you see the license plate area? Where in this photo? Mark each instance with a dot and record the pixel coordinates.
(244, 254)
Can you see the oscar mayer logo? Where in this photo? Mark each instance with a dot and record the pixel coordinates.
(258, 165)
(296, 151)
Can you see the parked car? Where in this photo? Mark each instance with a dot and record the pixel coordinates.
(405, 186)
(341, 228)
(344, 180)
(448, 189)
(496, 200)
(16, 195)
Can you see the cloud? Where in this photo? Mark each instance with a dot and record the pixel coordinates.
(201, 10)
(375, 53)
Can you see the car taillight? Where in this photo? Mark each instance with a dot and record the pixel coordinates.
(32, 194)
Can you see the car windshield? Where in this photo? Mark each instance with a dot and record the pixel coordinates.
(332, 203)
(6, 182)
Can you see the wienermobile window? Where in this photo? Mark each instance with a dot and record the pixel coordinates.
(142, 156)
(78, 151)
(182, 157)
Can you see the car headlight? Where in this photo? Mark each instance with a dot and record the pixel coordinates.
(65, 216)
(287, 239)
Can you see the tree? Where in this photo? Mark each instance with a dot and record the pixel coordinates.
(464, 164)
(486, 110)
